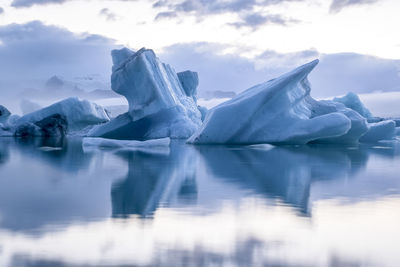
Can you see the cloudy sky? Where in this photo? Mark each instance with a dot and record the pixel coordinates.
(233, 44)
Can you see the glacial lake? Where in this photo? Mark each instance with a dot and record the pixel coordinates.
(315, 205)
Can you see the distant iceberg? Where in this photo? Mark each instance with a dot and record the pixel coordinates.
(52, 126)
(68, 116)
(78, 113)
(160, 103)
(4, 114)
(280, 111)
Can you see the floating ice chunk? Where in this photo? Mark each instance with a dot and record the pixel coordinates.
(78, 113)
(384, 130)
(280, 111)
(353, 102)
(158, 105)
(159, 146)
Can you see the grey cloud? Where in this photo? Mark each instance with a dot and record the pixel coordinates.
(255, 20)
(338, 5)
(216, 6)
(36, 51)
(166, 15)
(108, 14)
(28, 3)
(1, 10)
(244, 8)
(229, 72)
(335, 75)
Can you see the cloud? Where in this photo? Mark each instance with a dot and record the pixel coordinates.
(247, 10)
(166, 15)
(37, 51)
(336, 74)
(28, 3)
(1, 10)
(338, 5)
(108, 14)
(230, 72)
(216, 6)
(340, 73)
(255, 20)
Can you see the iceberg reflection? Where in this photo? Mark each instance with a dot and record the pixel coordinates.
(257, 205)
(152, 180)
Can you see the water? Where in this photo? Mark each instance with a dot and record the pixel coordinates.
(198, 206)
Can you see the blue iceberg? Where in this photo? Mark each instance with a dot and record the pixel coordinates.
(280, 111)
(160, 103)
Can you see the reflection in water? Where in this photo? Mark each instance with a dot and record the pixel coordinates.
(58, 152)
(4, 150)
(153, 179)
(283, 172)
(198, 205)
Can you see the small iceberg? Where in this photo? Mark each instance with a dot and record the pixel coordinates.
(77, 113)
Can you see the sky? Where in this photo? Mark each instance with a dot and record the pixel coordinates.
(233, 44)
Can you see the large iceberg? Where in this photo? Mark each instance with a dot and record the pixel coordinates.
(160, 104)
(280, 111)
(77, 113)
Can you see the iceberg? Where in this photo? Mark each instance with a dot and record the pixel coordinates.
(384, 130)
(4, 114)
(4, 131)
(53, 126)
(77, 113)
(159, 106)
(352, 101)
(280, 111)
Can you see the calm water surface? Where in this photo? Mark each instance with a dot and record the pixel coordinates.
(62, 205)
